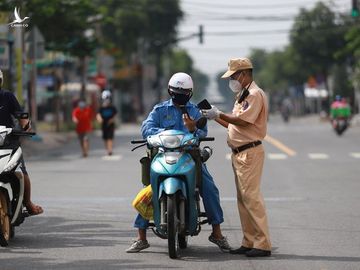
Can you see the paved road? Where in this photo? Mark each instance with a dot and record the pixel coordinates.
(311, 186)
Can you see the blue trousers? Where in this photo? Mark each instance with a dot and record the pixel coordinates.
(210, 195)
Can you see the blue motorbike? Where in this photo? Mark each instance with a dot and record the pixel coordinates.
(173, 168)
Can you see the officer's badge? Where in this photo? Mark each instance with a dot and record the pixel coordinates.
(245, 105)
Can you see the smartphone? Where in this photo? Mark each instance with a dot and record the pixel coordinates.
(204, 105)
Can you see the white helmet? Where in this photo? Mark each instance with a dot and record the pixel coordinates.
(180, 83)
(106, 94)
(1, 78)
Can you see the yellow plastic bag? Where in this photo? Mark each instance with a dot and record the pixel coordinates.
(143, 203)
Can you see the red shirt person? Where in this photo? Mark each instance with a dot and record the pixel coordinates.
(82, 116)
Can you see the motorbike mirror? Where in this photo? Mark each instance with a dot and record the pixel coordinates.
(201, 123)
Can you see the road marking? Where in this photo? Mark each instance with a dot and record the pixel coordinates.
(111, 158)
(318, 156)
(355, 155)
(287, 150)
(273, 156)
(277, 156)
(268, 199)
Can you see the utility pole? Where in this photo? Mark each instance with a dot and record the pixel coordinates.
(201, 34)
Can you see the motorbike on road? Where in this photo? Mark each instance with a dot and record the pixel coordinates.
(340, 124)
(173, 168)
(12, 210)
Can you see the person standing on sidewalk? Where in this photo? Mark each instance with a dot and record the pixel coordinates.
(82, 116)
(9, 107)
(106, 117)
(246, 128)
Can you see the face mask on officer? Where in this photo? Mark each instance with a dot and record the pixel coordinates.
(234, 84)
(180, 99)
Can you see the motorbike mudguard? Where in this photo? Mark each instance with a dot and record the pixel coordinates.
(8, 188)
(171, 185)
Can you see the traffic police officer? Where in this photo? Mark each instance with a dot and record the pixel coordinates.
(246, 128)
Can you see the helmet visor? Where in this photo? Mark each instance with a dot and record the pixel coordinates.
(179, 90)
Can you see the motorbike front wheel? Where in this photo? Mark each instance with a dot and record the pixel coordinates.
(182, 242)
(172, 227)
(5, 226)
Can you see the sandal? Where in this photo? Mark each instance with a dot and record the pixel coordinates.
(34, 210)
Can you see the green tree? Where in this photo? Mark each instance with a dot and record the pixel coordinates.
(149, 23)
(316, 36)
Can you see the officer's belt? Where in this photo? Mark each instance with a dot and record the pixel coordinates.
(245, 146)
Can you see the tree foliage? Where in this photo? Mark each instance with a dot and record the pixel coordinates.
(316, 36)
(63, 24)
(148, 23)
(322, 43)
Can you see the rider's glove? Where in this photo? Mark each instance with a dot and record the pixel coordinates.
(212, 113)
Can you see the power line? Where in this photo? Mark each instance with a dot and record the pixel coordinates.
(271, 32)
(255, 6)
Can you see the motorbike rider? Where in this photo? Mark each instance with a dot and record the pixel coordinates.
(9, 107)
(168, 115)
(339, 109)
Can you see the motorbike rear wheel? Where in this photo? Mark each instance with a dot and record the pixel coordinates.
(172, 227)
(5, 226)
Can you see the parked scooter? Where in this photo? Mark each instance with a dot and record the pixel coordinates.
(173, 168)
(12, 211)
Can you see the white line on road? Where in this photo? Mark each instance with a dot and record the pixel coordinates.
(269, 199)
(111, 158)
(355, 155)
(273, 156)
(277, 156)
(282, 147)
(104, 200)
(318, 156)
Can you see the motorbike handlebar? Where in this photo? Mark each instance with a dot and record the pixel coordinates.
(207, 139)
(138, 141)
(22, 133)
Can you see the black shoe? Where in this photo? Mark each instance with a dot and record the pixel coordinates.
(240, 250)
(255, 252)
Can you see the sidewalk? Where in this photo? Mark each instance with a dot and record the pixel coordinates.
(45, 141)
(49, 140)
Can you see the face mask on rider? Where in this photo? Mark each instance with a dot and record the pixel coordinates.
(180, 99)
(235, 85)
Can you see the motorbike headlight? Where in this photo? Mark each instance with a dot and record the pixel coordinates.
(154, 141)
(2, 137)
(171, 141)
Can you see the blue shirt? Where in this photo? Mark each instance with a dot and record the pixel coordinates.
(166, 115)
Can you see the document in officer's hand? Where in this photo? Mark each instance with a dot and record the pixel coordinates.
(204, 105)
